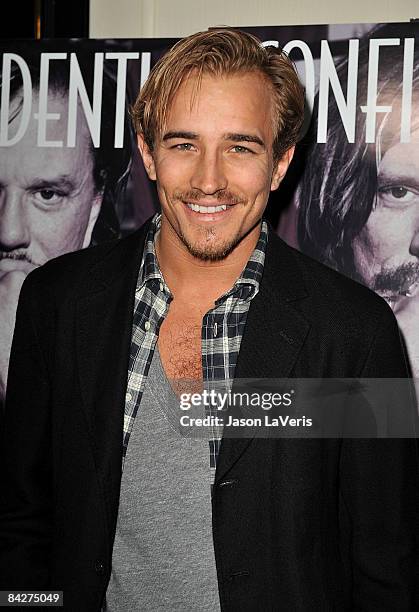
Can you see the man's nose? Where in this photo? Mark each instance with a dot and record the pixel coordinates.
(209, 174)
(14, 231)
(414, 244)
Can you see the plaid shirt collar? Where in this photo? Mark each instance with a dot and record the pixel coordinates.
(245, 287)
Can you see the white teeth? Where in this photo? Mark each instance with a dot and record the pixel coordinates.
(206, 209)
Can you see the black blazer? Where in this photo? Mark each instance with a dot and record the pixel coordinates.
(298, 525)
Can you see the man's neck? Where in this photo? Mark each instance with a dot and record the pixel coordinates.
(191, 278)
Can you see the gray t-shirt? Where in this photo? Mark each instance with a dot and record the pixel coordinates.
(163, 555)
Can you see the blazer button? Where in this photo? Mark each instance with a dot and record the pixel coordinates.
(99, 567)
(228, 483)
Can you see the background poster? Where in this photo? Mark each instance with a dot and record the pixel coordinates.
(354, 189)
(71, 176)
(70, 171)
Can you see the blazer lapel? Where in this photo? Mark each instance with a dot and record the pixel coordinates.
(104, 326)
(274, 335)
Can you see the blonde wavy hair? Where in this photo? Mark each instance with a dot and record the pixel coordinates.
(221, 52)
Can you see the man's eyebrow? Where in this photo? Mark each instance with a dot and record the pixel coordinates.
(397, 178)
(235, 137)
(244, 138)
(59, 182)
(184, 135)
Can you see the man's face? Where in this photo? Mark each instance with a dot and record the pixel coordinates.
(387, 249)
(48, 201)
(214, 164)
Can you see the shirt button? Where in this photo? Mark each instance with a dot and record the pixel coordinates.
(147, 325)
(128, 397)
(161, 287)
(215, 330)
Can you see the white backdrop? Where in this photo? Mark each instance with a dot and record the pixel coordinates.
(173, 18)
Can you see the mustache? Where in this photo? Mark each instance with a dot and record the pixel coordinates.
(18, 256)
(397, 280)
(195, 195)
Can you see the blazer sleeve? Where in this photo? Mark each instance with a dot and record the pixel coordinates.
(379, 487)
(25, 466)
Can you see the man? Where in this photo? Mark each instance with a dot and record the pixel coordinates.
(204, 292)
(358, 203)
(53, 199)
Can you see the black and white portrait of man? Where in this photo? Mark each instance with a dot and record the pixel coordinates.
(58, 191)
(358, 202)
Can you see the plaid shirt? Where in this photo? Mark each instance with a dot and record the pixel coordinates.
(221, 334)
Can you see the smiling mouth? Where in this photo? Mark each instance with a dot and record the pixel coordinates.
(207, 209)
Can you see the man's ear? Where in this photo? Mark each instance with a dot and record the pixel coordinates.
(147, 157)
(281, 167)
(94, 213)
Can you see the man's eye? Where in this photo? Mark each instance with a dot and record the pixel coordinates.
(397, 194)
(184, 146)
(240, 149)
(48, 196)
